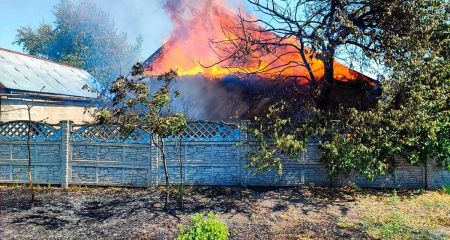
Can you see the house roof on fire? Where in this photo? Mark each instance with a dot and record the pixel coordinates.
(25, 74)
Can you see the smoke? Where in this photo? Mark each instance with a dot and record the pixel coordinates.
(218, 92)
(224, 99)
(195, 23)
(203, 99)
(140, 18)
(211, 93)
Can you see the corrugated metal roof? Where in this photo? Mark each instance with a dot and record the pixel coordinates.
(23, 72)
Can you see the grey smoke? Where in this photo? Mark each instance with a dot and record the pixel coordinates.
(146, 18)
(207, 99)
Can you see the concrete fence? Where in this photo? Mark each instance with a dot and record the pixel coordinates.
(210, 154)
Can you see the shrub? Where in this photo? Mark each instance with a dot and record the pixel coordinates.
(420, 191)
(204, 228)
(393, 228)
(446, 189)
(394, 198)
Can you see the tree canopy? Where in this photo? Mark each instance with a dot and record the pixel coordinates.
(411, 119)
(82, 36)
(136, 105)
(321, 29)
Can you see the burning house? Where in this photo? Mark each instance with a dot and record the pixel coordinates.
(221, 92)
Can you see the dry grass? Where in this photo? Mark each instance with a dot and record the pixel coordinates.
(408, 215)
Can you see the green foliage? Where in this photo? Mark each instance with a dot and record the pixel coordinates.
(420, 191)
(343, 223)
(446, 189)
(357, 148)
(394, 197)
(411, 121)
(136, 106)
(396, 226)
(274, 136)
(204, 228)
(82, 36)
(393, 227)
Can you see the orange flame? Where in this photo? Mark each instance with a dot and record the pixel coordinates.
(196, 23)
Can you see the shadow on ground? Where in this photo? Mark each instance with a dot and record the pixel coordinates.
(100, 213)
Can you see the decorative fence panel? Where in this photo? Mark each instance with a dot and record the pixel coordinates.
(208, 152)
(39, 132)
(206, 131)
(106, 155)
(306, 169)
(45, 145)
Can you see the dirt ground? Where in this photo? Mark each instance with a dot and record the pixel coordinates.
(278, 213)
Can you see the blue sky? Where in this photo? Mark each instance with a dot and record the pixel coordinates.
(148, 17)
(15, 13)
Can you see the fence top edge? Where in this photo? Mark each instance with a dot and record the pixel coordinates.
(33, 122)
(236, 123)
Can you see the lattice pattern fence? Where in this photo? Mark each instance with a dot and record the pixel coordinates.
(194, 132)
(205, 131)
(39, 132)
(111, 133)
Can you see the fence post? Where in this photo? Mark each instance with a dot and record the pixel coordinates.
(66, 128)
(243, 149)
(426, 176)
(154, 161)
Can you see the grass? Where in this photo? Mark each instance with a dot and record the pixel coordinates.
(394, 227)
(415, 215)
(446, 189)
(343, 223)
(394, 197)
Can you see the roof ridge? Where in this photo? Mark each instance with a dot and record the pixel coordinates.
(40, 58)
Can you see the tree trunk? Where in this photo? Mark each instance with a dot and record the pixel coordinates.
(324, 98)
(426, 175)
(181, 187)
(166, 175)
(30, 174)
(166, 171)
(313, 81)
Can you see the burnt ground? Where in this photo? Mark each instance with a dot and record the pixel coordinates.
(111, 213)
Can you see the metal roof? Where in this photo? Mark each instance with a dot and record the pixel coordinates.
(24, 72)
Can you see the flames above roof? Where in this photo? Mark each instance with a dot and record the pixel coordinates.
(223, 90)
(199, 25)
(170, 57)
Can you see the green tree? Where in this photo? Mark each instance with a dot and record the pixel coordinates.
(321, 29)
(136, 106)
(82, 36)
(410, 39)
(412, 122)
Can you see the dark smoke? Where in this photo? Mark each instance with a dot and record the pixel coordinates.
(229, 98)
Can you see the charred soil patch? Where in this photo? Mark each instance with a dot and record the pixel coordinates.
(257, 213)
